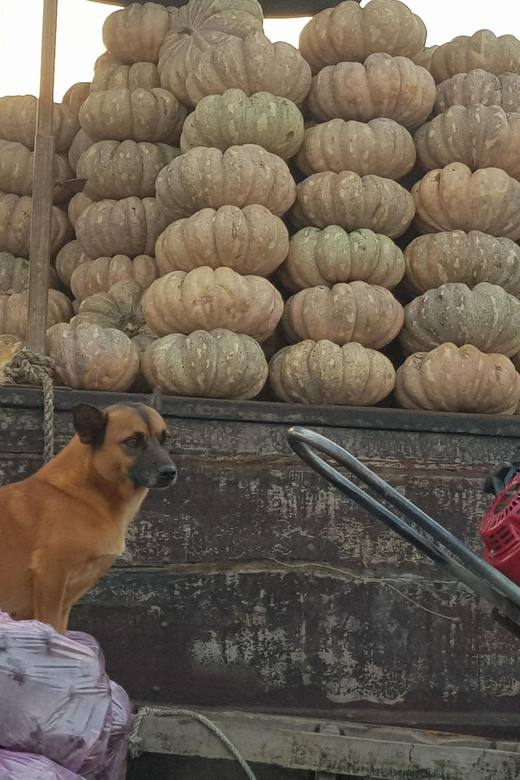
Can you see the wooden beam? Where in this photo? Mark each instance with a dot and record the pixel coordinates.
(281, 9)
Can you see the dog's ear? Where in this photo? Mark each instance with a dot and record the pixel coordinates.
(155, 401)
(90, 423)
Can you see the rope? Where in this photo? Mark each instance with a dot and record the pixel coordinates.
(135, 740)
(28, 368)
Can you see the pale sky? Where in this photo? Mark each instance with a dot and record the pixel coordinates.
(80, 43)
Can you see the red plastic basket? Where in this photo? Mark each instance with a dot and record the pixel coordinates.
(500, 531)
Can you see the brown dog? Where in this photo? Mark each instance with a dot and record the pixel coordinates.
(62, 528)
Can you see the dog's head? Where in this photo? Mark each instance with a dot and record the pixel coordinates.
(130, 443)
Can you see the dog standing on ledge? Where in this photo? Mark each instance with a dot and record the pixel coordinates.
(62, 528)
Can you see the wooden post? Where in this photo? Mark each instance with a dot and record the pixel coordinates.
(43, 187)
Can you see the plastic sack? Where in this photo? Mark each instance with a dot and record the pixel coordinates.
(24, 766)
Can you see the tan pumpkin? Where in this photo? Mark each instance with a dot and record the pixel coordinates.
(486, 317)
(79, 145)
(383, 86)
(478, 136)
(469, 258)
(68, 259)
(14, 274)
(120, 307)
(481, 50)
(78, 204)
(140, 75)
(152, 115)
(252, 65)
(18, 122)
(360, 312)
(249, 240)
(353, 202)
(136, 33)
(380, 147)
(240, 176)
(325, 257)
(349, 33)
(458, 379)
(89, 357)
(454, 198)
(15, 226)
(424, 57)
(9, 347)
(76, 95)
(16, 170)
(124, 169)
(214, 364)
(221, 121)
(14, 310)
(324, 373)
(199, 25)
(94, 276)
(121, 227)
(205, 299)
(479, 86)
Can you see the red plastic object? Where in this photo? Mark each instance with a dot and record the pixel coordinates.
(500, 531)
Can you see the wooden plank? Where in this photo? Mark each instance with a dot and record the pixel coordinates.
(272, 8)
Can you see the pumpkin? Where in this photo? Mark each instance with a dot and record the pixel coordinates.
(478, 136)
(252, 65)
(89, 357)
(152, 115)
(481, 50)
(353, 202)
(14, 311)
(469, 258)
(136, 33)
(349, 33)
(80, 144)
(383, 86)
(106, 60)
(15, 226)
(207, 298)
(249, 240)
(214, 364)
(14, 274)
(458, 379)
(140, 75)
(486, 316)
(120, 307)
(454, 198)
(18, 122)
(94, 276)
(76, 95)
(324, 373)
(199, 25)
(240, 176)
(424, 57)
(121, 227)
(120, 170)
(9, 347)
(479, 86)
(68, 259)
(77, 206)
(325, 257)
(360, 312)
(16, 170)
(221, 121)
(380, 147)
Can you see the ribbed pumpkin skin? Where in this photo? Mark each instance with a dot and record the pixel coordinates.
(79, 145)
(479, 86)
(325, 257)
(140, 75)
(15, 226)
(468, 258)
(9, 346)
(249, 240)
(458, 379)
(121, 227)
(252, 65)
(14, 310)
(78, 204)
(353, 202)
(478, 136)
(152, 115)
(384, 86)
(88, 357)
(359, 312)
(136, 33)
(486, 317)
(233, 118)
(380, 147)
(424, 57)
(481, 50)
(16, 170)
(205, 299)
(199, 25)
(18, 122)
(14, 273)
(323, 373)
(68, 259)
(454, 198)
(76, 95)
(215, 364)
(120, 307)
(349, 33)
(95, 276)
(240, 176)
(124, 169)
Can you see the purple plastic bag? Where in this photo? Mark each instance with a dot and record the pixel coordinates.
(24, 766)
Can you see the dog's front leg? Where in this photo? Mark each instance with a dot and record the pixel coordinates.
(50, 579)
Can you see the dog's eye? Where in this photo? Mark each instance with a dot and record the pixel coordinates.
(133, 442)
(165, 439)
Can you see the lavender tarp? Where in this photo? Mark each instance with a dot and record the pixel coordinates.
(24, 766)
